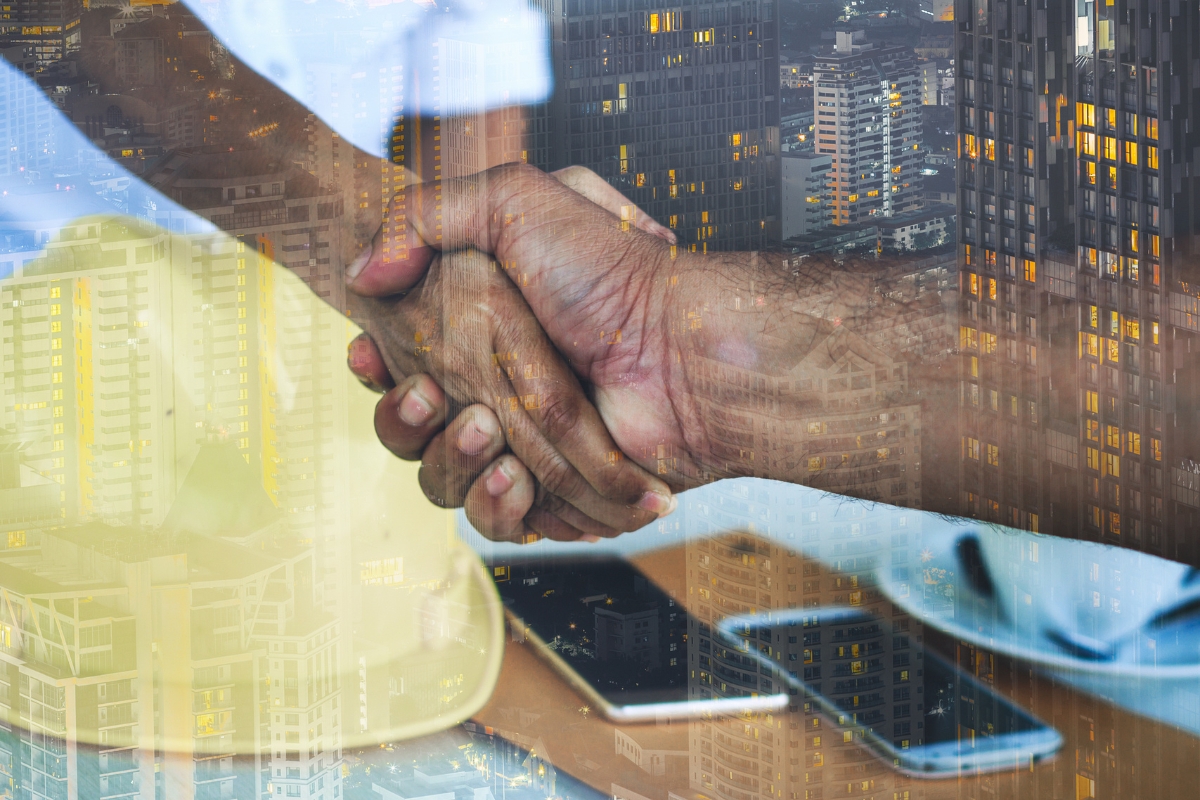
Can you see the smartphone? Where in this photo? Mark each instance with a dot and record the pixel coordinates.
(619, 639)
(948, 722)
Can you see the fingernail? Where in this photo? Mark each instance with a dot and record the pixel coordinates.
(472, 439)
(499, 481)
(355, 353)
(415, 410)
(356, 266)
(589, 537)
(659, 504)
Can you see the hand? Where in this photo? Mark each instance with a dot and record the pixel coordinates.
(588, 241)
(463, 462)
(667, 342)
(598, 284)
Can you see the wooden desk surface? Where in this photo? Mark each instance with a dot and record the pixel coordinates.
(1107, 752)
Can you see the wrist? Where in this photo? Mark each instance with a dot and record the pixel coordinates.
(721, 346)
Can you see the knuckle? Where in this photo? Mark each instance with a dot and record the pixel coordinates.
(557, 476)
(559, 416)
(398, 445)
(519, 177)
(615, 482)
(546, 502)
(574, 174)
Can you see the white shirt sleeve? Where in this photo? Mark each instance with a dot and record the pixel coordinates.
(358, 64)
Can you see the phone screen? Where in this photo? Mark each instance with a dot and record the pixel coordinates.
(617, 630)
(957, 706)
(877, 680)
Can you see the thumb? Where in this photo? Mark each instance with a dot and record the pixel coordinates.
(398, 256)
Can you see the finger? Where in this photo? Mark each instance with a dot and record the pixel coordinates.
(500, 505)
(409, 416)
(499, 500)
(580, 270)
(457, 456)
(366, 362)
(602, 193)
(550, 526)
(546, 417)
(590, 529)
(398, 256)
(557, 433)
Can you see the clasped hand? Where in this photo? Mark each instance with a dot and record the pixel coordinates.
(527, 361)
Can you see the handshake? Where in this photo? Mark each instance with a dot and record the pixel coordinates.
(561, 368)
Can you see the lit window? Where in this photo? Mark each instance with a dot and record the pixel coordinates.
(1131, 153)
(1112, 465)
(1113, 436)
(1086, 144)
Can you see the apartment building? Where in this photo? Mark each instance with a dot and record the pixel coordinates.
(868, 120)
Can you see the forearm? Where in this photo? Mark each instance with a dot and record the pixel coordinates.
(801, 370)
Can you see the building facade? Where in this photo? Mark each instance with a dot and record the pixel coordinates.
(805, 176)
(51, 28)
(678, 109)
(1078, 308)
(868, 120)
(861, 431)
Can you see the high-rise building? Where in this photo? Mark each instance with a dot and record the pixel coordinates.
(1014, 176)
(83, 375)
(805, 177)
(1078, 315)
(677, 108)
(27, 126)
(847, 385)
(50, 27)
(937, 82)
(1135, 258)
(930, 83)
(167, 638)
(868, 120)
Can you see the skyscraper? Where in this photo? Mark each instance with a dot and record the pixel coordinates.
(1011, 169)
(676, 108)
(1076, 240)
(805, 178)
(51, 27)
(868, 119)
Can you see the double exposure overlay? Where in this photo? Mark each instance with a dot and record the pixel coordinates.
(573, 399)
